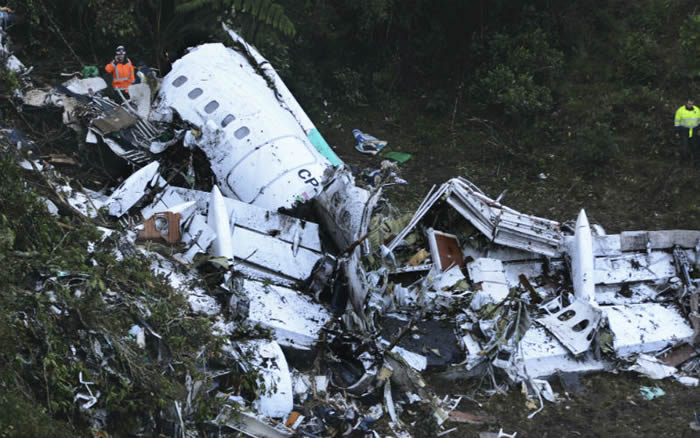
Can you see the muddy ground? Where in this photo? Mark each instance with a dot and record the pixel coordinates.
(647, 192)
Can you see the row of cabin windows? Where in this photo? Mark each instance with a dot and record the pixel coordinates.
(212, 106)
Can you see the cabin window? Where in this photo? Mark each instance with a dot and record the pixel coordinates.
(179, 81)
(195, 93)
(228, 119)
(241, 132)
(211, 107)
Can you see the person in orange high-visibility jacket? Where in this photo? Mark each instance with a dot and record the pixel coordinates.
(122, 71)
(687, 123)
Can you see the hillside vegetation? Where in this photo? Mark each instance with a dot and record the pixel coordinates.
(563, 104)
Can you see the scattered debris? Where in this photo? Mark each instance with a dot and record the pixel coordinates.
(368, 144)
(650, 393)
(340, 303)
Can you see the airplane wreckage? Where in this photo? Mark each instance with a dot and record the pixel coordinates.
(465, 286)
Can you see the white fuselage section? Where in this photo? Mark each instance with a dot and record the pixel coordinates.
(258, 149)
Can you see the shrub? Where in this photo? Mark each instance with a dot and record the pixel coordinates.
(516, 73)
(595, 146)
(638, 59)
(690, 43)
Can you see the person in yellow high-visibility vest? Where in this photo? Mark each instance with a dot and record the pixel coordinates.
(686, 123)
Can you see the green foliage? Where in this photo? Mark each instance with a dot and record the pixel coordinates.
(268, 12)
(513, 93)
(690, 43)
(62, 303)
(349, 86)
(515, 74)
(638, 55)
(595, 146)
(8, 80)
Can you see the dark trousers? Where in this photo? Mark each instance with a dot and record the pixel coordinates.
(114, 95)
(690, 145)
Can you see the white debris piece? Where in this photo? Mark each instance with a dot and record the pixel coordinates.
(416, 361)
(248, 216)
(472, 349)
(133, 189)
(139, 335)
(197, 236)
(267, 357)
(501, 224)
(185, 282)
(87, 201)
(652, 367)
(488, 273)
(347, 207)
(645, 328)
(278, 247)
(219, 221)
(635, 267)
(273, 254)
(321, 383)
(582, 261)
(140, 95)
(543, 355)
(574, 325)
(295, 319)
(85, 86)
(50, 206)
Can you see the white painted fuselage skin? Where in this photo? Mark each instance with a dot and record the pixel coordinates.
(218, 220)
(258, 150)
(582, 260)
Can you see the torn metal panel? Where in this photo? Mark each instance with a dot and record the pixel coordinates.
(113, 120)
(277, 399)
(645, 328)
(447, 279)
(87, 201)
(345, 208)
(85, 86)
(489, 275)
(574, 325)
(258, 250)
(607, 245)
(582, 260)
(664, 239)
(472, 349)
(302, 233)
(444, 249)
(140, 101)
(264, 243)
(634, 268)
(185, 282)
(251, 425)
(628, 293)
(198, 235)
(652, 367)
(294, 318)
(133, 189)
(501, 224)
(543, 355)
(257, 149)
